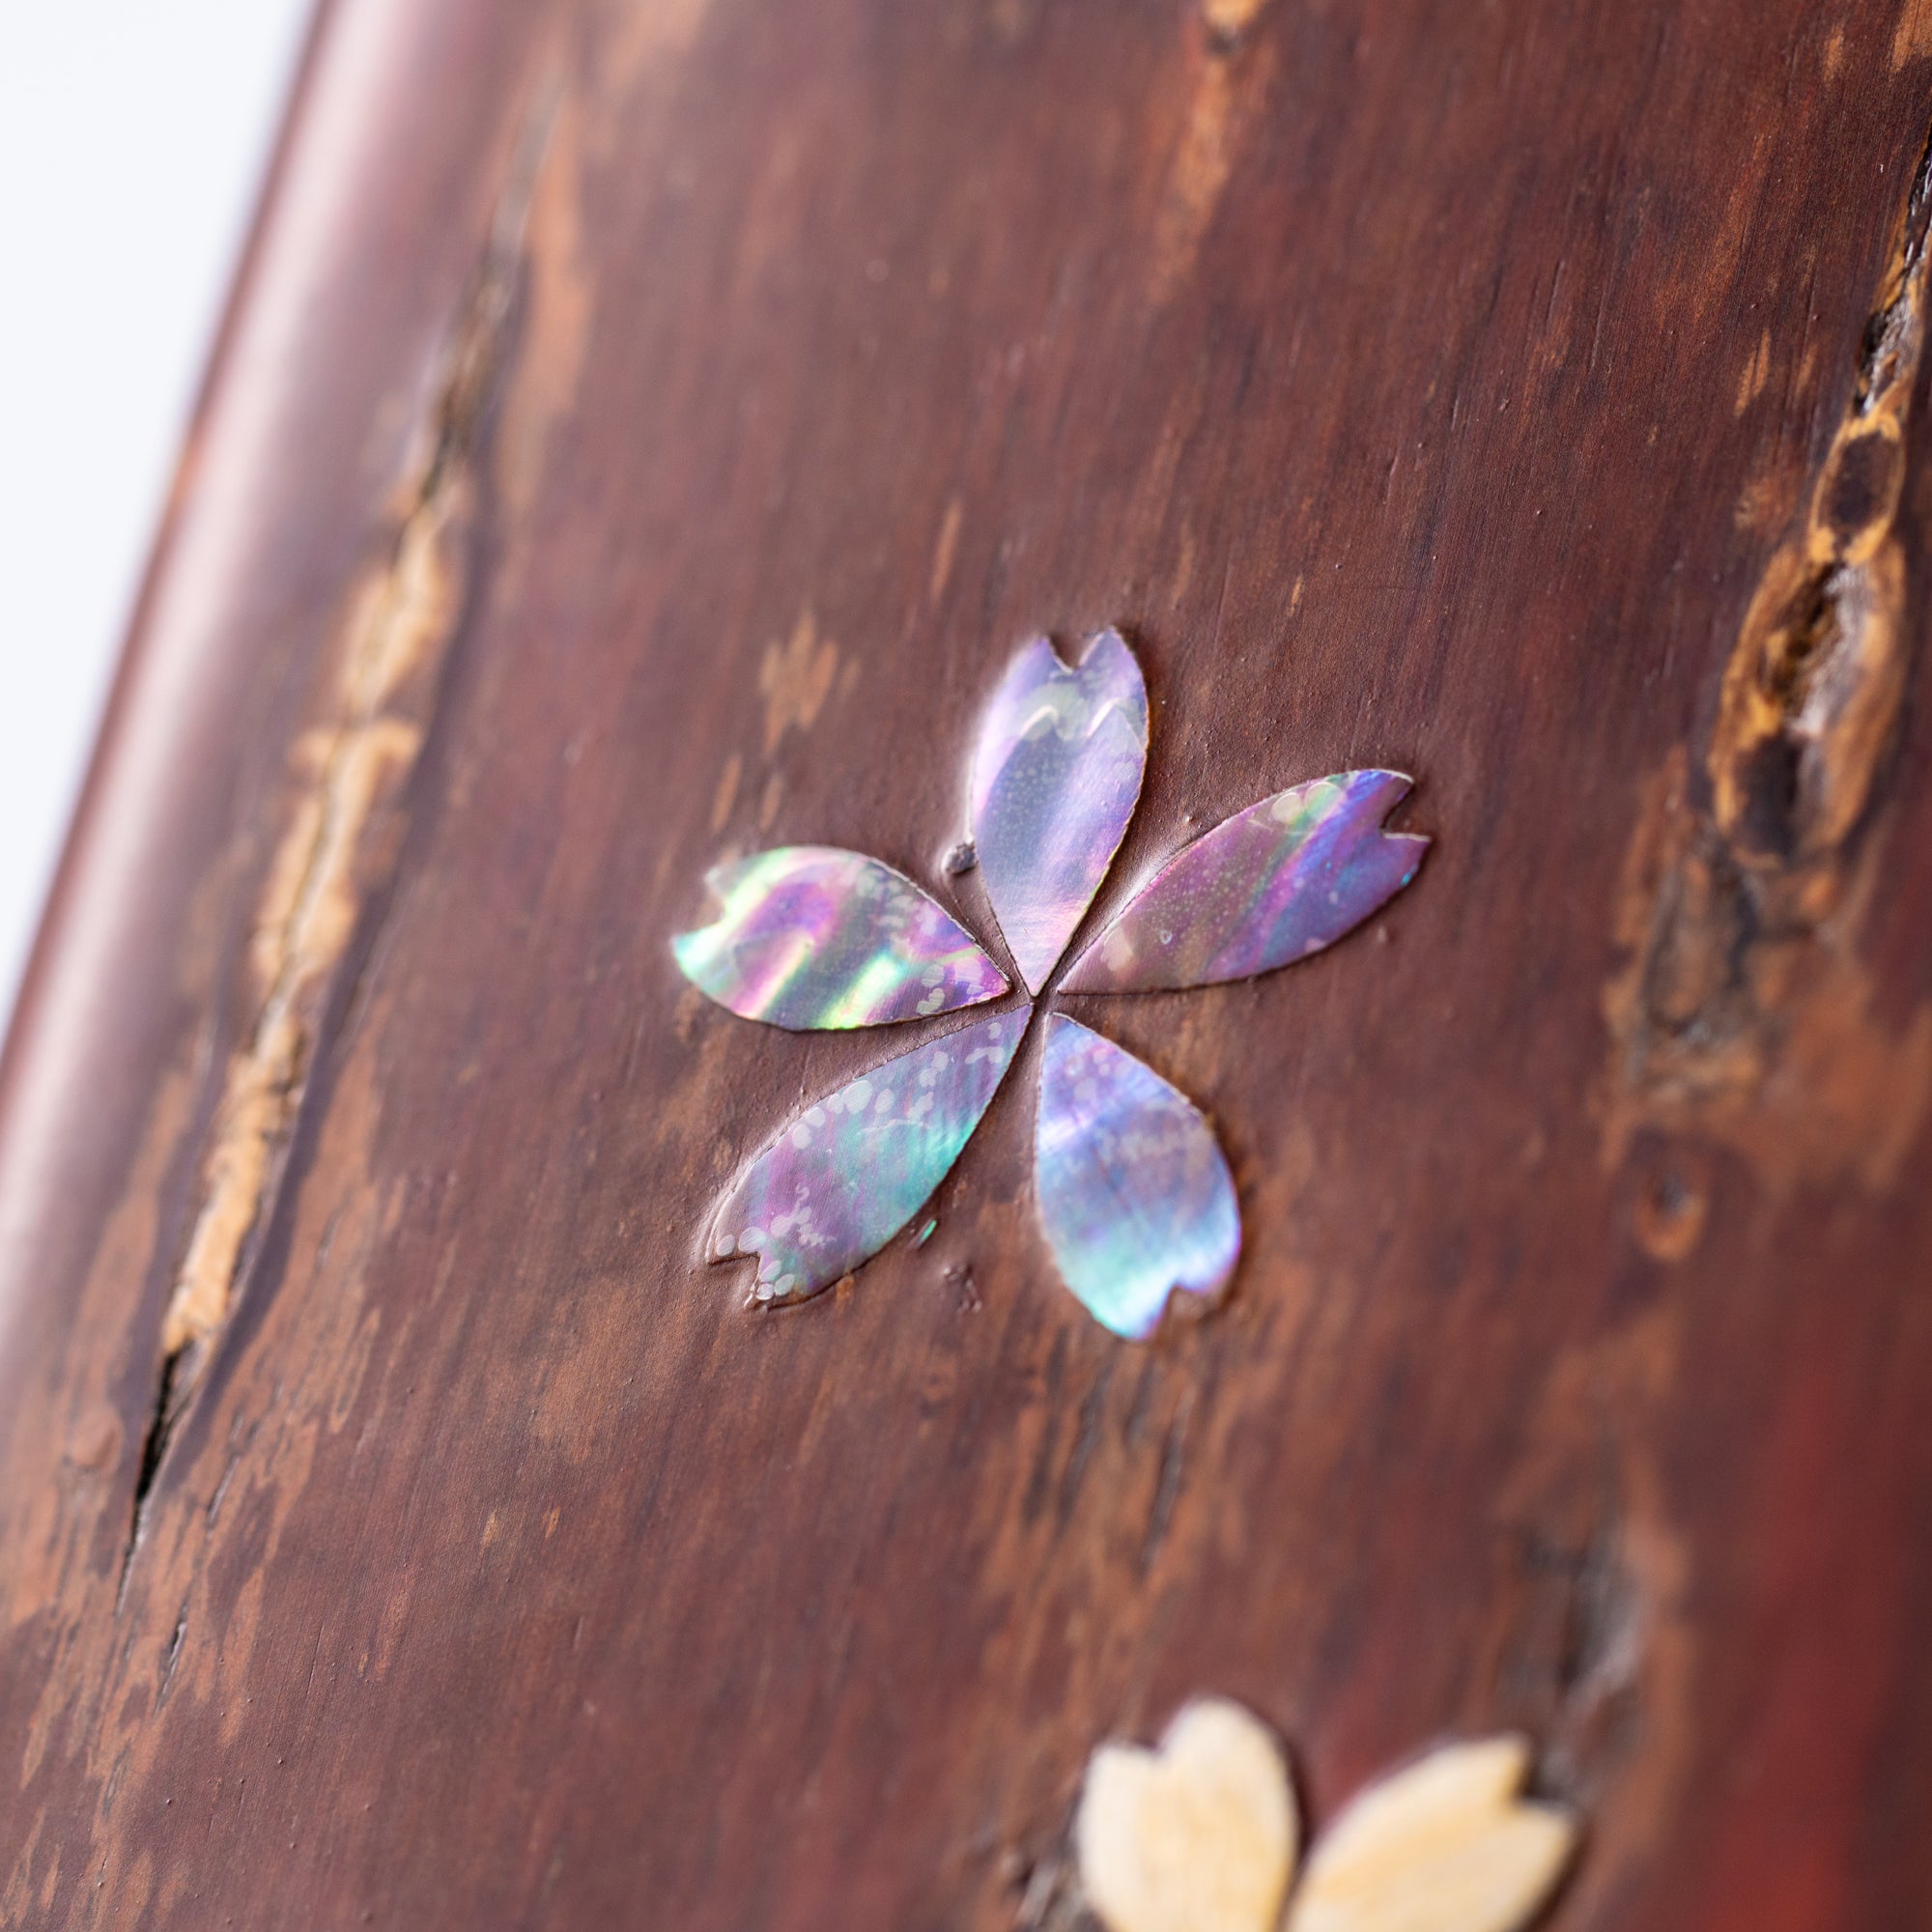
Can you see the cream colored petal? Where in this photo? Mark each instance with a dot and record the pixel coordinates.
(1444, 1846)
(1196, 1837)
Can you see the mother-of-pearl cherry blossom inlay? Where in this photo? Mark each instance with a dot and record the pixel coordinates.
(1134, 1195)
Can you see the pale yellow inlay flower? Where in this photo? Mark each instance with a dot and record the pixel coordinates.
(1200, 1835)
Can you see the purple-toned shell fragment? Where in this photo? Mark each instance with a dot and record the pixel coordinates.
(1270, 885)
(1056, 774)
(811, 937)
(848, 1174)
(1134, 1196)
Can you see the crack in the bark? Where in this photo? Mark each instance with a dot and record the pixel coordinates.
(1813, 687)
(352, 775)
(1740, 914)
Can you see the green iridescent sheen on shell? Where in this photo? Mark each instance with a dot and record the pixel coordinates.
(1134, 1196)
(845, 1175)
(808, 937)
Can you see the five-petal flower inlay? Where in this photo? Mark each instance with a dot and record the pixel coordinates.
(1135, 1197)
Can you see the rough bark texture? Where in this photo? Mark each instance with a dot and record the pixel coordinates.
(645, 430)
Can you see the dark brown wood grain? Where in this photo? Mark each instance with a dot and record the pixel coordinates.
(646, 428)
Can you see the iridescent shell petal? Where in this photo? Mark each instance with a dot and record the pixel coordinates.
(1134, 1195)
(811, 937)
(1055, 778)
(848, 1174)
(1270, 885)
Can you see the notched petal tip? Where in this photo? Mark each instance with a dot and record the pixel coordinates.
(1095, 652)
(1109, 653)
(1056, 774)
(842, 1177)
(812, 938)
(1284, 878)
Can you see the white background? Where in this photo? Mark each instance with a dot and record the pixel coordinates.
(133, 135)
